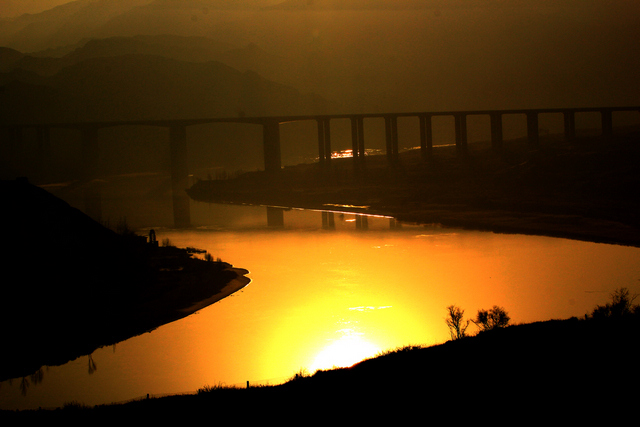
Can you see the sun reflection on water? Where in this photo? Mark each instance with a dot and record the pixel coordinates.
(322, 298)
(344, 352)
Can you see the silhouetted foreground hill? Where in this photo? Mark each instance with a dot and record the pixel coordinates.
(71, 285)
(582, 189)
(568, 370)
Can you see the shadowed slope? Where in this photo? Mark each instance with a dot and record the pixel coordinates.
(72, 285)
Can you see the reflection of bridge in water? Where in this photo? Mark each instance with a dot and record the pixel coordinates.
(271, 140)
(275, 219)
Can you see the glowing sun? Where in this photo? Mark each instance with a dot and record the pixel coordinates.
(343, 353)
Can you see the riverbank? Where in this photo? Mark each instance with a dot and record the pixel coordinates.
(580, 189)
(72, 285)
(572, 370)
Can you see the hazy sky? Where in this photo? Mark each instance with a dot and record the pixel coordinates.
(10, 8)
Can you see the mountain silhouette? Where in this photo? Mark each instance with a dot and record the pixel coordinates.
(118, 60)
(377, 55)
(124, 79)
(142, 86)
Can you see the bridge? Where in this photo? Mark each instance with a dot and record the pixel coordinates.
(271, 137)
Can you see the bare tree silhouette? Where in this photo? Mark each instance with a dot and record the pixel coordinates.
(457, 326)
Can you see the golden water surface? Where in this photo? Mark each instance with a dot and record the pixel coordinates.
(320, 298)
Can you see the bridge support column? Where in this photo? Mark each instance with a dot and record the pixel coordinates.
(324, 141)
(43, 135)
(496, 130)
(532, 128)
(15, 139)
(426, 137)
(44, 139)
(275, 217)
(569, 124)
(362, 222)
(271, 142)
(179, 176)
(93, 189)
(606, 117)
(357, 141)
(391, 130)
(90, 151)
(461, 132)
(328, 220)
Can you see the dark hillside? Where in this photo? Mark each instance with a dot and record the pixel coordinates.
(71, 285)
(574, 370)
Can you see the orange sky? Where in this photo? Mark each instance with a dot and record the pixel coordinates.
(11, 8)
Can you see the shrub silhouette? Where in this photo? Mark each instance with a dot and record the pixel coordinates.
(497, 317)
(457, 326)
(621, 306)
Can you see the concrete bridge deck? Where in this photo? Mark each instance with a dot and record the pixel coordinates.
(271, 137)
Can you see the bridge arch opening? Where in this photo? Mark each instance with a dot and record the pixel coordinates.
(299, 142)
(623, 120)
(514, 126)
(478, 129)
(341, 138)
(588, 123)
(408, 133)
(132, 149)
(21, 146)
(551, 124)
(444, 130)
(374, 136)
(224, 150)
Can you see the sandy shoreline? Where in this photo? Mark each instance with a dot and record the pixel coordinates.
(97, 287)
(230, 288)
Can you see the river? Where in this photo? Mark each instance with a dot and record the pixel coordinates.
(330, 291)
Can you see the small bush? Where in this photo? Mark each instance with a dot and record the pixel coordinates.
(497, 317)
(621, 306)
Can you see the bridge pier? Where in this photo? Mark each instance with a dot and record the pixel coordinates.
(44, 141)
(496, 130)
(426, 136)
(324, 141)
(461, 132)
(391, 131)
(179, 175)
(43, 153)
(15, 140)
(328, 220)
(275, 217)
(357, 141)
(362, 222)
(606, 118)
(271, 144)
(90, 151)
(532, 128)
(93, 189)
(569, 124)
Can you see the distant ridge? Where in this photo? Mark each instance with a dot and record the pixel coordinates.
(138, 86)
(354, 4)
(399, 4)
